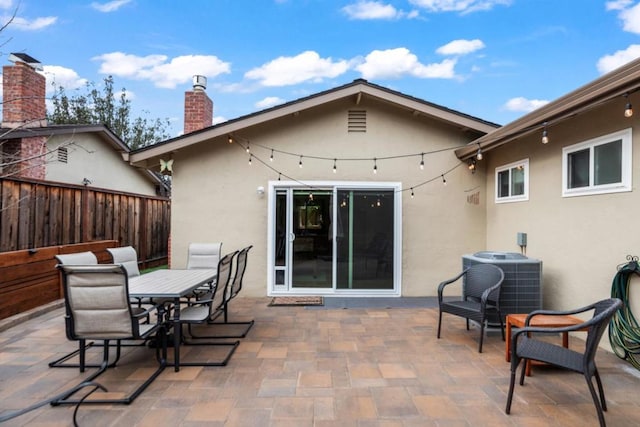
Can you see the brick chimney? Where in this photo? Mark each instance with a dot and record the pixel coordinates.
(198, 107)
(23, 107)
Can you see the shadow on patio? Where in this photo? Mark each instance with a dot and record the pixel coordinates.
(319, 367)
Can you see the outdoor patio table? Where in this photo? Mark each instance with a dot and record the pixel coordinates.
(172, 283)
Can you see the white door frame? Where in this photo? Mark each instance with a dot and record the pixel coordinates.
(334, 185)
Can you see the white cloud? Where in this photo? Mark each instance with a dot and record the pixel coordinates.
(61, 76)
(307, 66)
(156, 69)
(364, 10)
(395, 63)
(269, 101)
(460, 47)
(462, 6)
(631, 19)
(110, 6)
(611, 62)
(6, 4)
(524, 104)
(217, 120)
(618, 4)
(30, 25)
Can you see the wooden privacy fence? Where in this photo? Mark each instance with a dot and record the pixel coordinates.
(29, 278)
(36, 214)
(37, 219)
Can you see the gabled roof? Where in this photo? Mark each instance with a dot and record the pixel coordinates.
(101, 131)
(356, 89)
(615, 84)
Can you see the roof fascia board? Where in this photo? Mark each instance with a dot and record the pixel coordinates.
(609, 86)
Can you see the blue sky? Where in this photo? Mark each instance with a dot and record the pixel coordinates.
(493, 59)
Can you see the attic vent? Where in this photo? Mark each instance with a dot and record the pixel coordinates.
(357, 121)
(62, 154)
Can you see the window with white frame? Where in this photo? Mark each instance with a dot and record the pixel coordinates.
(512, 182)
(597, 166)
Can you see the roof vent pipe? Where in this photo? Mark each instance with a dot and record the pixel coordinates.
(199, 82)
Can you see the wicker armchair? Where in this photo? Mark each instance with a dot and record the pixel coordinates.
(526, 348)
(480, 296)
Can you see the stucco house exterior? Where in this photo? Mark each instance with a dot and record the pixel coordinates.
(352, 191)
(577, 196)
(89, 155)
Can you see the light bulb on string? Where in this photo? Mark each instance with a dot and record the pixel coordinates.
(230, 139)
(444, 181)
(271, 157)
(279, 175)
(479, 156)
(248, 149)
(422, 162)
(375, 166)
(300, 163)
(335, 168)
(250, 156)
(412, 195)
(545, 134)
(628, 109)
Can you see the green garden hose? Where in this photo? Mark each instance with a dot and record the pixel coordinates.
(624, 331)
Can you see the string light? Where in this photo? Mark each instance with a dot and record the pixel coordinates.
(248, 148)
(628, 109)
(412, 195)
(422, 162)
(335, 168)
(444, 181)
(279, 175)
(375, 165)
(300, 163)
(271, 157)
(472, 165)
(545, 134)
(250, 156)
(479, 156)
(230, 139)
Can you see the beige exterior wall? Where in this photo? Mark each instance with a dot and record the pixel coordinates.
(215, 199)
(92, 158)
(581, 240)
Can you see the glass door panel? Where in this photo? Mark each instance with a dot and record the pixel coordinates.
(364, 237)
(312, 260)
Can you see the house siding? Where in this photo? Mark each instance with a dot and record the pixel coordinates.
(215, 199)
(90, 157)
(581, 240)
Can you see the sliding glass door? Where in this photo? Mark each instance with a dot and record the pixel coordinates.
(334, 239)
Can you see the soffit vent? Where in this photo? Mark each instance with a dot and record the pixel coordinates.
(357, 121)
(62, 154)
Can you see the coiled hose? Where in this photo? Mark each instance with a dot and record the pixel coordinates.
(624, 331)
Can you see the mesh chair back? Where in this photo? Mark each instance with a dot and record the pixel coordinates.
(481, 277)
(203, 255)
(241, 266)
(128, 257)
(222, 281)
(78, 258)
(97, 302)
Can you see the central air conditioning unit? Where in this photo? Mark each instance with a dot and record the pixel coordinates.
(522, 285)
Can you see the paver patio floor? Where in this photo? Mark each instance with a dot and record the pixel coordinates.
(303, 367)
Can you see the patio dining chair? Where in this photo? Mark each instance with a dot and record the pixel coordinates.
(204, 256)
(78, 258)
(232, 290)
(97, 307)
(206, 308)
(480, 296)
(525, 347)
(128, 257)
